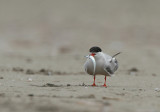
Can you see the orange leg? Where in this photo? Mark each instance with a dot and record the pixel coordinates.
(94, 84)
(105, 82)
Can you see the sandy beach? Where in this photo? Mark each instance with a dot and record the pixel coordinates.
(42, 49)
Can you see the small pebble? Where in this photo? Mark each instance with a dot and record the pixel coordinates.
(29, 60)
(18, 96)
(68, 85)
(29, 79)
(157, 89)
(30, 71)
(1, 78)
(154, 74)
(83, 84)
(2, 94)
(31, 95)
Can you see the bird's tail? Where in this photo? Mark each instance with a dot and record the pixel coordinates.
(116, 54)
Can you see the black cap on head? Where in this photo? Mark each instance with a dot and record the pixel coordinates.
(95, 49)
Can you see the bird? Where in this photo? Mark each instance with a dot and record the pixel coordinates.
(99, 63)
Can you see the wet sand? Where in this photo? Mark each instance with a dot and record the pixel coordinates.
(69, 89)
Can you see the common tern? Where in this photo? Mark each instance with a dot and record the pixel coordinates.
(99, 63)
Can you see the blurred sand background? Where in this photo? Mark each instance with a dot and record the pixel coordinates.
(42, 49)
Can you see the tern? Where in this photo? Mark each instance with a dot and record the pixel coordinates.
(99, 63)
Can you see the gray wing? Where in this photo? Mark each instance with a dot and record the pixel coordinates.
(111, 66)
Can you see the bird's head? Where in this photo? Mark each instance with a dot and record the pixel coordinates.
(94, 50)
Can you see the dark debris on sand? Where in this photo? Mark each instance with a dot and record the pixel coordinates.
(2, 94)
(29, 71)
(154, 74)
(51, 85)
(41, 71)
(133, 71)
(86, 96)
(45, 72)
(17, 69)
(108, 98)
(28, 60)
(31, 95)
(83, 84)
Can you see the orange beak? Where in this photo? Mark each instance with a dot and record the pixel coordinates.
(93, 54)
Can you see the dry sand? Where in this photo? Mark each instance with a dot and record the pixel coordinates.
(42, 49)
